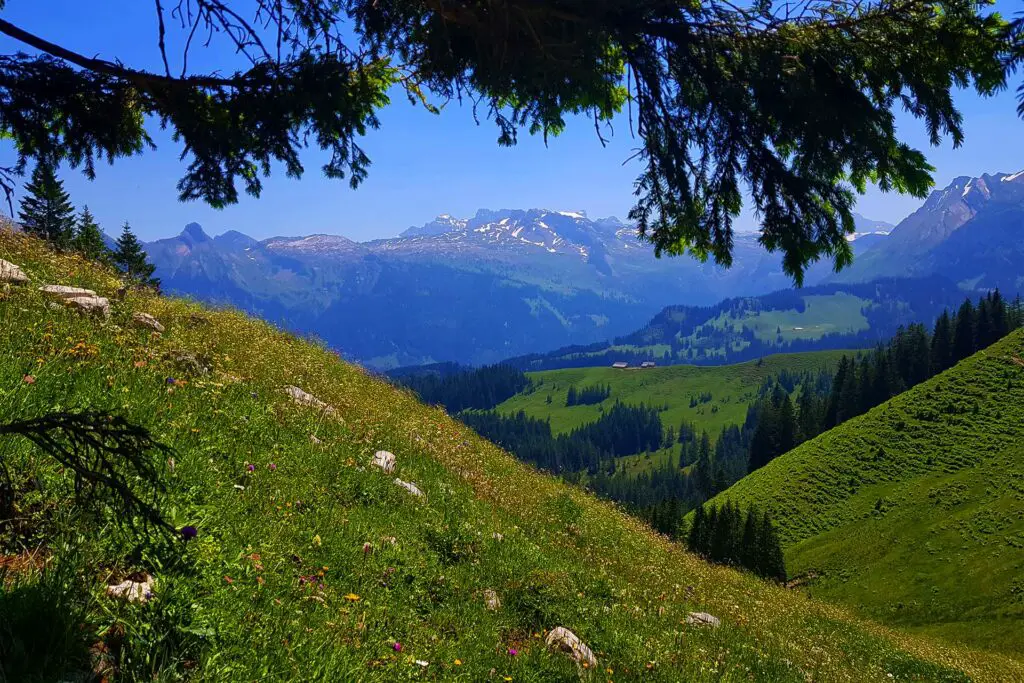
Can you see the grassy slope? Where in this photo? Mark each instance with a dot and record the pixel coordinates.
(824, 314)
(566, 558)
(928, 532)
(732, 387)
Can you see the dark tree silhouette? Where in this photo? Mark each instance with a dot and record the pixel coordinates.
(106, 454)
(791, 103)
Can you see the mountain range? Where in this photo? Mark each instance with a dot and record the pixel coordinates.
(477, 290)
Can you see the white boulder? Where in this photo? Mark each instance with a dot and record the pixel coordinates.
(564, 640)
(411, 488)
(385, 460)
(146, 320)
(133, 589)
(12, 273)
(702, 619)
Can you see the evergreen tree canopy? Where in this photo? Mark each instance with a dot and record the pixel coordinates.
(46, 209)
(791, 103)
(131, 259)
(89, 238)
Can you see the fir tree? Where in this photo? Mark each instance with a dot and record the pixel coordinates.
(942, 344)
(131, 259)
(772, 563)
(963, 333)
(89, 239)
(46, 209)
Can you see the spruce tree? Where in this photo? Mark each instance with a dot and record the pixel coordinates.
(751, 547)
(1000, 323)
(772, 563)
(698, 531)
(942, 344)
(46, 209)
(131, 259)
(963, 333)
(89, 238)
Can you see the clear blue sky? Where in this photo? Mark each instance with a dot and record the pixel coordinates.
(423, 165)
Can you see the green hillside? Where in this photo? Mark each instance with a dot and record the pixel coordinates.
(312, 565)
(732, 388)
(914, 512)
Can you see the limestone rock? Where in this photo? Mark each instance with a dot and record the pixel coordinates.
(303, 399)
(85, 300)
(491, 600)
(564, 640)
(702, 619)
(385, 460)
(136, 588)
(65, 292)
(411, 488)
(12, 273)
(146, 320)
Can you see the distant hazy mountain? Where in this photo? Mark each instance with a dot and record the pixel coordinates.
(971, 232)
(476, 290)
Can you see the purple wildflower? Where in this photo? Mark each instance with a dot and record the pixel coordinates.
(512, 651)
(251, 467)
(171, 380)
(188, 533)
(397, 646)
(272, 467)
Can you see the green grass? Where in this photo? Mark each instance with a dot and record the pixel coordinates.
(836, 313)
(914, 512)
(732, 388)
(229, 606)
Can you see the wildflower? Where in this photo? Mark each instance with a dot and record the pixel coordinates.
(171, 380)
(188, 533)
(458, 662)
(272, 467)
(251, 467)
(367, 549)
(352, 597)
(422, 663)
(28, 379)
(397, 647)
(317, 540)
(253, 394)
(512, 651)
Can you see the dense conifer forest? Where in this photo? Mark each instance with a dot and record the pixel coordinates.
(790, 408)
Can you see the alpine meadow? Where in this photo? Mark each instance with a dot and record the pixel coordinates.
(711, 369)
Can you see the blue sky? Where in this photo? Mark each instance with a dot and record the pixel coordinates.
(423, 165)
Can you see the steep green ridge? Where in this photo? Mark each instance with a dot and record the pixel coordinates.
(233, 604)
(914, 512)
(732, 389)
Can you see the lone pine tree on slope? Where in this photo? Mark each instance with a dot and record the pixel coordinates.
(89, 238)
(131, 259)
(46, 209)
(789, 108)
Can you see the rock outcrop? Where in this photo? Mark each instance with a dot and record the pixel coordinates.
(385, 460)
(83, 300)
(411, 488)
(702, 619)
(566, 641)
(136, 588)
(304, 399)
(146, 320)
(12, 273)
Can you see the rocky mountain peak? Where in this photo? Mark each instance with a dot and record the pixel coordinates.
(193, 234)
